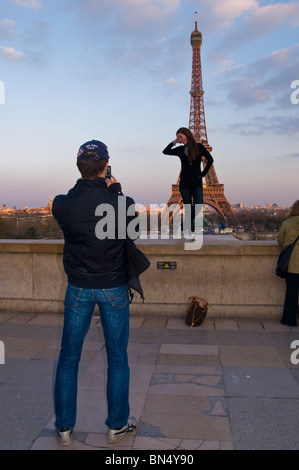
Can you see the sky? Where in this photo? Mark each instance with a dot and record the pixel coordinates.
(119, 71)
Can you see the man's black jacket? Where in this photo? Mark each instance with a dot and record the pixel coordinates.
(91, 262)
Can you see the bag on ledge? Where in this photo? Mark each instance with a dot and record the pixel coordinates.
(197, 309)
(283, 260)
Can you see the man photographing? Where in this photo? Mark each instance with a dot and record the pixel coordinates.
(97, 274)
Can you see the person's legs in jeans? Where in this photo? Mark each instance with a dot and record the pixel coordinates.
(114, 313)
(79, 307)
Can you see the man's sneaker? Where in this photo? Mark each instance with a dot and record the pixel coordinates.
(64, 435)
(115, 435)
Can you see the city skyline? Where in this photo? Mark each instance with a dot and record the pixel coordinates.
(120, 72)
(237, 206)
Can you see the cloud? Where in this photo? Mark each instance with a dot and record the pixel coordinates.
(148, 10)
(34, 40)
(262, 21)
(246, 92)
(276, 72)
(170, 81)
(265, 81)
(271, 16)
(135, 40)
(128, 15)
(281, 125)
(224, 62)
(38, 33)
(11, 54)
(276, 60)
(226, 11)
(290, 155)
(169, 86)
(260, 125)
(7, 29)
(33, 4)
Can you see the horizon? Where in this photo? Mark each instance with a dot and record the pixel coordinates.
(158, 206)
(120, 72)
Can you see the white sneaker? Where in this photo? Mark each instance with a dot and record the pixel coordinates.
(115, 435)
(64, 435)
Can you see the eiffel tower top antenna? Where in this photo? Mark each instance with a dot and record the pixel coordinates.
(197, 122)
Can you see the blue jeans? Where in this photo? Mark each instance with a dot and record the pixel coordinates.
(192, 196)
(114, 312)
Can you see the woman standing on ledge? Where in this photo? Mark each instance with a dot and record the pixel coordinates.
(190, 153)
(287, 234)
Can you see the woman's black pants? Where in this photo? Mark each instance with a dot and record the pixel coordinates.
(291, 309)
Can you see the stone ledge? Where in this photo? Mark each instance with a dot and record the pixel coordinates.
(212, 245)
(236, 277)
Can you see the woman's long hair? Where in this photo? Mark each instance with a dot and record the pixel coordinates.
(294, 209)
(191, 142)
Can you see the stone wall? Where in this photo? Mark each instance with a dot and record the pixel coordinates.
(236, 277)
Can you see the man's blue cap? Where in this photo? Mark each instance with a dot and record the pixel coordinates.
(94, 146)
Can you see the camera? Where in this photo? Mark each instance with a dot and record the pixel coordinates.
(108, 172)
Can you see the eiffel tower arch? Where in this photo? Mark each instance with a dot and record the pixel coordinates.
(213, 191)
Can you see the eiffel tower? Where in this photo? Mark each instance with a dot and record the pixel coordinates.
(213, 191)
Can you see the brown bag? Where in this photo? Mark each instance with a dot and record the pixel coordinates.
(197, 309)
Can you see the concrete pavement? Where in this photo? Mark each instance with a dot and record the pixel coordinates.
(228, 384)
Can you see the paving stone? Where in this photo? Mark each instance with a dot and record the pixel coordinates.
(226, 324)
(21, 318)
(24, 347)
(264, 423)
(190, 444)
(154, 322)
(46, 320)
(189, 349)
(51, 443)
(180, 324)
(136, 322)
(176, 426)
(99, 440)
(147, 443)
(6, 316)
(186, 369)
(198, 360)
(272, 325)
(218, 410)
(251, 356)
(260, 382)
(250, 325)
(172, 404)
